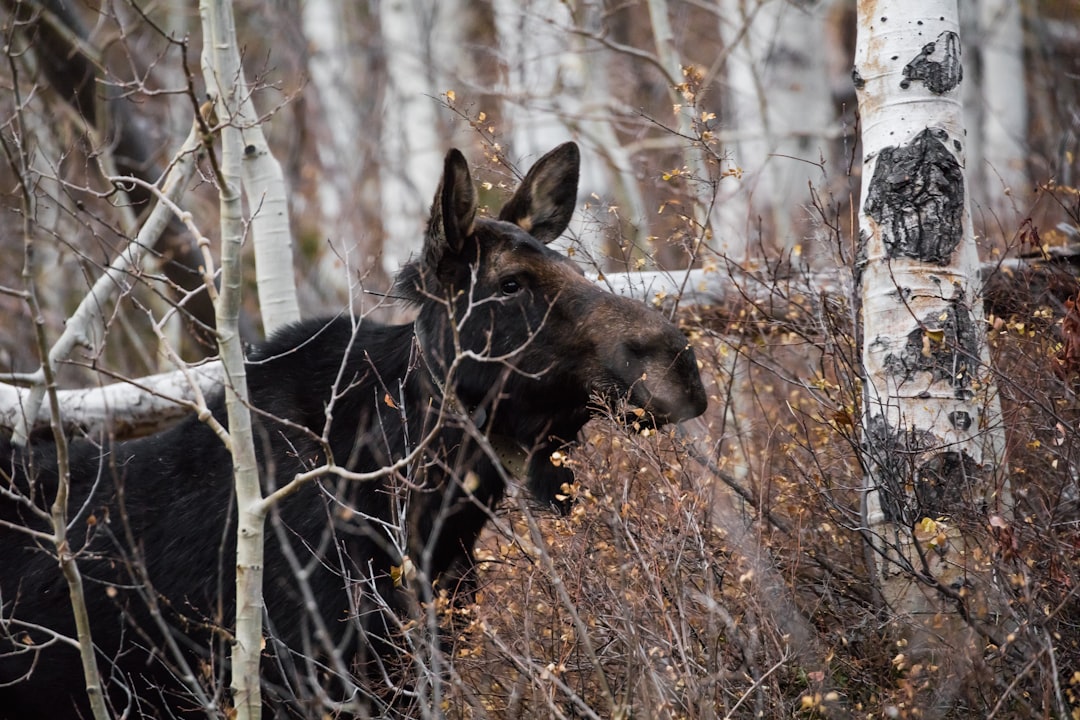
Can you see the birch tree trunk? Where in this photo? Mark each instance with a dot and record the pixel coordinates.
(931, 411)
(550, 91)
(533, 54)
(411, 136)
(1004, 130)
(779, 105)
(261, 177)
(85, 326)
(332, 58)
(221, 70)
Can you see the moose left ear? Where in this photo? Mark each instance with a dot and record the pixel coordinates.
(544, 203)
(453, 212)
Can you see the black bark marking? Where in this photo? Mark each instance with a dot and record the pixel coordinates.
(941, 483)
(916, 196)
(894, 454)
(938, 65)
(857, 79)
(945, 345)
(909, 490)
(960, 419)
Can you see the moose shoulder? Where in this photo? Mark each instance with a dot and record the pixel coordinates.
(511, 353)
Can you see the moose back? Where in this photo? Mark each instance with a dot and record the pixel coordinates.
(512, 351)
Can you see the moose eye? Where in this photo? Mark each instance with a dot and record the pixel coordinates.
(510, 286)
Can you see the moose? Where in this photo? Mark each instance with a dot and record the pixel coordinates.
(511, 352)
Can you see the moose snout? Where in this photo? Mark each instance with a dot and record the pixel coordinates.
(660, 373)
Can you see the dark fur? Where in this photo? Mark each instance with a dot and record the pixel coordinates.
(547, 342)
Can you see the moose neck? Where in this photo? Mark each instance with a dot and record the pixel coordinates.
(472, 414)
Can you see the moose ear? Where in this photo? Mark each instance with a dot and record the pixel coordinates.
(453, 211)
(544, 203)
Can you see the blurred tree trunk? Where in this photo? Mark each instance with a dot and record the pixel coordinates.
(587, 84)
(778, 105)
(411, 132)
(551, 92)
(1004, 131)
(330, 59)
(931, 413)
(532, 90)
(323, 23)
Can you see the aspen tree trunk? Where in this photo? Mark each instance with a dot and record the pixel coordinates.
(331, 57)
(224, 78)
(779, 105)
(533, 53)
(1005, 121)
(684, 104)
(261, 176)
(554, 89)
(85, 326)
(411, 144)
(931, 415)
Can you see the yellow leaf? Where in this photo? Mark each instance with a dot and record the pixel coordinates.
(389, 401)
(472, 482)
(937, 335)
(404, 571)
(451, 95)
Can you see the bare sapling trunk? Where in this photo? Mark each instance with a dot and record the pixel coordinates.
(931, 411)
(261, 177)
(222, 73)
(58, 511)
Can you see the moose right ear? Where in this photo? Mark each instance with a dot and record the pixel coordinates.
(452, 213)
(544, 202)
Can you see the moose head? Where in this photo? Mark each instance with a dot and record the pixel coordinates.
(522, 337)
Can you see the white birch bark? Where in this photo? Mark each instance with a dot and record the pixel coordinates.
(551, 92)
(263, 184)
(323, 23)
(411, 139)
(931, 410)
(779, 104)
(533, 53)
(702, 193)
(1004, 129)
(331, 59)
(222, 73)
(127, 408)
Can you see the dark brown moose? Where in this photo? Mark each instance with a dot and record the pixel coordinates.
(511, 353)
